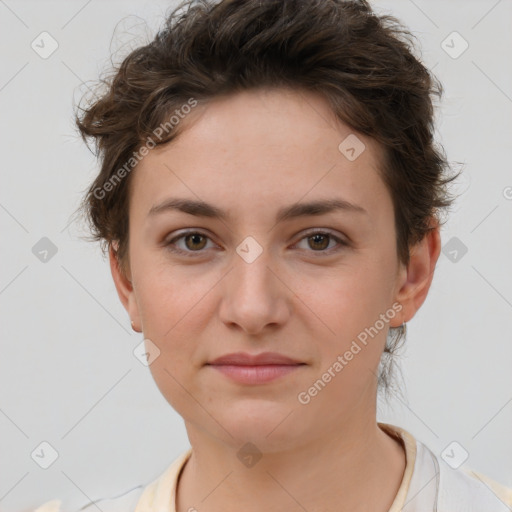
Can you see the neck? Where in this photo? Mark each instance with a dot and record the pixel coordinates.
(358, 470)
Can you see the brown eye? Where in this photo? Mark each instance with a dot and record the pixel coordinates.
(319, 241)
(193, 241)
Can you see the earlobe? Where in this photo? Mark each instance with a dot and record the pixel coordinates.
(124, 288)
(419, 273)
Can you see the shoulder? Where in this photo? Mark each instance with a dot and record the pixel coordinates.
(468, 490)
(143, 497)
(49, 506)
(502, 492)
(435, 485)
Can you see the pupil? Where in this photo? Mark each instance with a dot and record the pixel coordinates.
(315, 240)
(194, 238)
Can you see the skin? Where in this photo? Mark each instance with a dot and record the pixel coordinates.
(252, 153)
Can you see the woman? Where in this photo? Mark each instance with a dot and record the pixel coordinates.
(270, 197)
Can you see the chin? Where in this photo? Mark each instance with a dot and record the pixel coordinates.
(259, 421)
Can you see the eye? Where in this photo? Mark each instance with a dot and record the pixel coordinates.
(318, 241)
(194, 242)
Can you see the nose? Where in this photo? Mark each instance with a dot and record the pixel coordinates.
(254, 296)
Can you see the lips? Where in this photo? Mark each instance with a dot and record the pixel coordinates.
(258, 369)
(262, 359)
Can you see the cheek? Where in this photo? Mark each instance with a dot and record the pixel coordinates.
(164, 291)
(347, 297)
(350, 302)
(173, 315)
(352, 347)
(171, 307)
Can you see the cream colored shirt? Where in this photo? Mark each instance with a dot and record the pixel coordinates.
(429, 484)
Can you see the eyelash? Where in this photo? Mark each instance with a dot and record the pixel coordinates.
(193, 254)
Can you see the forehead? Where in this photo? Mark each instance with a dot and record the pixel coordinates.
(262, 147)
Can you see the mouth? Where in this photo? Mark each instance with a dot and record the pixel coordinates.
(245, 368)
(262, 359)
(256, 374)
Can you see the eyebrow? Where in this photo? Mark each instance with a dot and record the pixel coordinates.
(203, 209)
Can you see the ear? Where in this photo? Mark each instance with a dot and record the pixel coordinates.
(124, 289)
(415, 279)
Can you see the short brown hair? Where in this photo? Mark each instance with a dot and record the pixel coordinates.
(361, 62)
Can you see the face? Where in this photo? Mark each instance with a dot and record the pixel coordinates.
(305, 286)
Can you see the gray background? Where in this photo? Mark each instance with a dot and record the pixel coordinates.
(68, 375)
